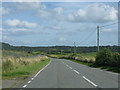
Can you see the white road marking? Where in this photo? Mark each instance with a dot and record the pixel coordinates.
(24, 86)
(112, 73)
(37, 74)
(42, 69)
(29, 81)
(66, 65)
(32, 78)
(70, 67)
(76, 71)
(90, 81)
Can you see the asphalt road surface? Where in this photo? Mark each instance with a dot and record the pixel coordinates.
(61, 73)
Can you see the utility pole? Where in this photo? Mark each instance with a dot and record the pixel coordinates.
(98, 38)
(74, 49)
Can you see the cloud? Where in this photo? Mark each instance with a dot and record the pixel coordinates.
(18, 23)
(97, 12)
(62, 39)
(107, 30)
(43, 13)
(4, 11)
(16, 32)
(58, 10)
(29, 5)
(54, 28)
(54, 13)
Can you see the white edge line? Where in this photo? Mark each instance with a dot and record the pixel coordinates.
(42, 69)
(24, 86)
(90, 81)
(38, 73)
(32, 78)
(29, 81)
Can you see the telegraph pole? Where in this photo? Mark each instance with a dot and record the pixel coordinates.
(74, 48)
(98, 38)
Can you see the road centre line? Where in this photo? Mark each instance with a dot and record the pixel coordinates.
(90, 81)
(76, 71)
(82, 76)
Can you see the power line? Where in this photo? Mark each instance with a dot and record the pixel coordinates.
(109, 24)
(88, 36)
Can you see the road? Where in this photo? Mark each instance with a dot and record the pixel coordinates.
(61, 73)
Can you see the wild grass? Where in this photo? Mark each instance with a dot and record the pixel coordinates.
(83, 57)
(22, 64)
(88, 59)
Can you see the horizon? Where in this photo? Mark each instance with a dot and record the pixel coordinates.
(54, 45)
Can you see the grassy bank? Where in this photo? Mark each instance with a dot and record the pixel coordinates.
(89, 59)
(21, 65)
(82, 57)
(106, 68)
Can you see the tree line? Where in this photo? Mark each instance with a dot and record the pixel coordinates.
(56, 49)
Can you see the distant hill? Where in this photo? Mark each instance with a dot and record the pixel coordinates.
(56, 49)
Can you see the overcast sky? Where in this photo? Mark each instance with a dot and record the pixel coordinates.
(58, 23)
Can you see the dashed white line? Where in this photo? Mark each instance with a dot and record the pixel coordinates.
(29, 81)
(37, 74)
(90, 81)
(24, 86)
(66, 65)
(76, 71)
(32, 78)
(70, 67)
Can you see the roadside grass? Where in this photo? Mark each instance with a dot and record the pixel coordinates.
(87, 59)
(25, 71)
(106, 68)
(21, 64)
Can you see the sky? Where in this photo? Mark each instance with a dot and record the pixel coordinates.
(59, 23)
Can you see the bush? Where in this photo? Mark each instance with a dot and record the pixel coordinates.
(115, 61)
(104, 57)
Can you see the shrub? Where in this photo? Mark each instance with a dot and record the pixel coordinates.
(104, 57)
(115, 61)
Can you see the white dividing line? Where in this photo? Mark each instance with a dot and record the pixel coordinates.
(29, 81)
(67, 65)
(90, 81)
(70, 67)
(24, 86)
(76, 71)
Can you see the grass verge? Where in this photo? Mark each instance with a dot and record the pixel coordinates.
(25, 71)
(106, 68)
